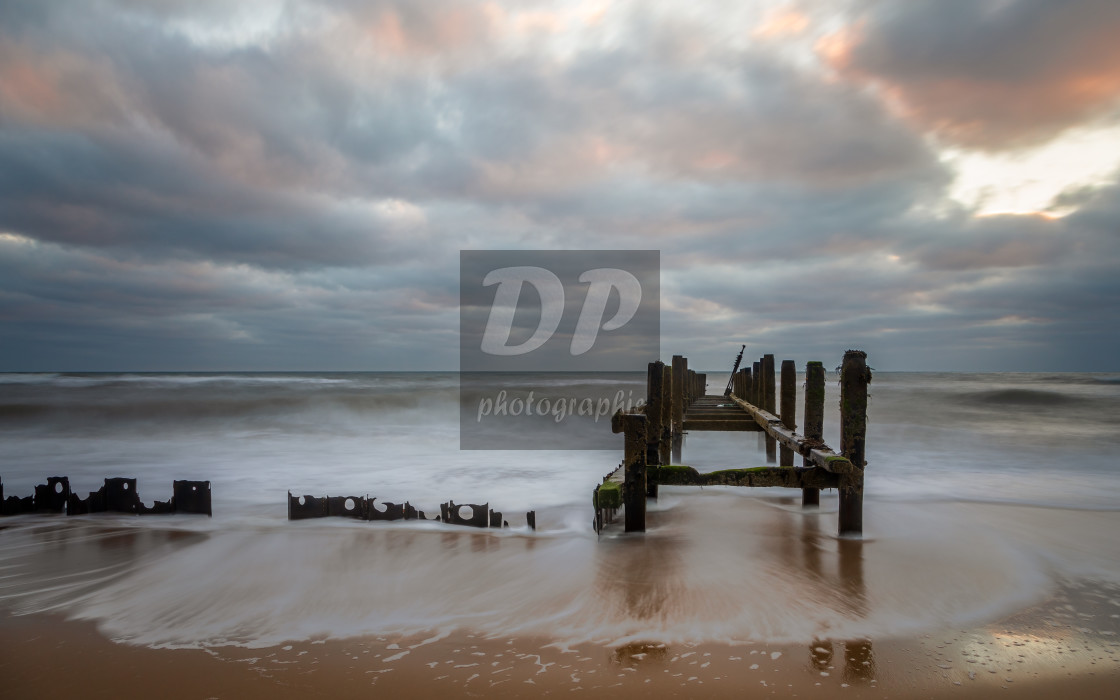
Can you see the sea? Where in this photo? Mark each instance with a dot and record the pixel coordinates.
(984, 493)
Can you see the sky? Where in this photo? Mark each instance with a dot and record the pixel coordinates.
(205, 185)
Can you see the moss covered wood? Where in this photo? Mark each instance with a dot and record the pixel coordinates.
(789, 477)
(817, 453)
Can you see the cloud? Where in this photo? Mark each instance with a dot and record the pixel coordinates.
(1005, 241)
(990, 74)
(201, 187)
(77, 308)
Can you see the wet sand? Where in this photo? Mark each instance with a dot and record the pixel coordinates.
(940, 600)
(1048, 650)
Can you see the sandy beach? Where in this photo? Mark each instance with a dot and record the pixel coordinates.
(637, 616)
(1042, 652)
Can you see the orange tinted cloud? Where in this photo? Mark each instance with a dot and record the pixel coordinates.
(414, 30)
(58, 89)
(782, 22)
(988, 78)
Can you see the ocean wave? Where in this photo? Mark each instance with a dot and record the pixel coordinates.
(149, 408)
(1021, 397)
(297, 583)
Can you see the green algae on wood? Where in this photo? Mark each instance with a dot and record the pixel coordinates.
(610, 495)
(791, 477)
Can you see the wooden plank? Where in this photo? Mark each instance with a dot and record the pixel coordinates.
(788, 477)
(721, 425)
(818, 455)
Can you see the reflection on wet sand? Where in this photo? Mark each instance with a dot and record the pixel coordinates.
(648, 653)
(647, 577)
(800, 546)
(639, 573)
(60, 561)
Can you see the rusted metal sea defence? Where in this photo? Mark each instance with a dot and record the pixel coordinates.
(117, 495)
(364, 508)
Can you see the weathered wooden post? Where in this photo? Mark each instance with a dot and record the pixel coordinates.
(854, 378)
(633, 426)
(686, 388)
(679, 371)
(788, 407)
(768, 404)
(666, 414)
(701, 385)
(755, 398)
(814, 421)
(654, 434)
(747, 385)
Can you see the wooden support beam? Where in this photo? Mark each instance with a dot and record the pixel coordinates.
(769, 401)
(666, 414)
(634, 427)
(854, 378)
(687, 388)
(606, 499)
(816, 453)
(788, 477)
(655, 375)
(747, 384)
(721, 424)
(814, 421)
(788, 411)
(756, 388)
(679, 371)
(655, 392)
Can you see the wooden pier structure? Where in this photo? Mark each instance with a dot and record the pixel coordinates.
(677, 402)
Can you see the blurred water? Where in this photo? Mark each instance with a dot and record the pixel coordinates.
(981, 490)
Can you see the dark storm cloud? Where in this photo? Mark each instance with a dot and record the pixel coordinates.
(1005, 241)
(1003, 292)
(186, 185)
(244, 137)
(91, 309)
(991, 73)
(105, 189)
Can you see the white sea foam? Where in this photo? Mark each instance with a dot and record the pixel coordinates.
(943, 545)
